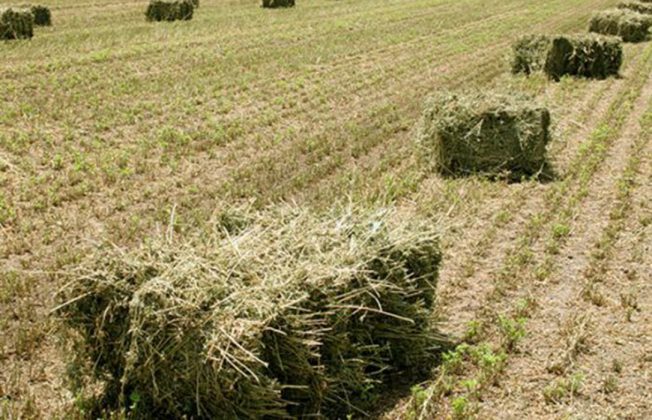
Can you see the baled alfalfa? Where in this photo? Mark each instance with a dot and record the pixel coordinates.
(587, 55)
(637, 6)
(629, 25)
(42, 15)
(295, 315)
(590, 55)
(278, 3)
(169, 10)
(490, 133)
(16, 23)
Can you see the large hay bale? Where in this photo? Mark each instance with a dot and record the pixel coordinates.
(587, 55)
(278, 3)
(169, 10)
(636, 6)
(484, 132)
(16, 23)
(627, 24)
(42, 15)
(295, 315)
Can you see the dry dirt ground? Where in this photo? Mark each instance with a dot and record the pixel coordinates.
(549, 283)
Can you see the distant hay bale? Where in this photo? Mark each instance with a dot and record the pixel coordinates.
(294, 315)
(637, 6)
(16, 23)
(169, 10)
(42, 15)
(589, 55)
(484, 132)
(627, 24)
(278, 3)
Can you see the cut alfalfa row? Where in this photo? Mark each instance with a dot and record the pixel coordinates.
(627, 24)
(169, 10)
(16, 23)
(637, 6)
(278, 3)
(294, 315)
(589, 55)
(484, 132)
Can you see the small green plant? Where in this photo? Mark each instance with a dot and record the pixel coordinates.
(560, 390)
(512, 331)
(460, 406)
(610, 384)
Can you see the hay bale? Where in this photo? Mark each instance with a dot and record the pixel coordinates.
(278, 3)
(296, 315)
(484, 132)
(16, 23)
(588, 55)
(42, 15)
(636, 6)
(169, 10)
(629, 25)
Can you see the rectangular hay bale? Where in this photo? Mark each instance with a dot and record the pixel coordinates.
(42, 15)
(484, 132)
(636, 6)
(169, 10)
(589, 55)
(16, 23)
(295, 315)
(627, 24)
(278, 3)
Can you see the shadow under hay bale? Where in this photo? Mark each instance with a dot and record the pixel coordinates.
(590, 55)
(169, 10)
(627, 24)
(16, 23)
(484, 133)
(42, 15)
(296, 315)
(637, 6)
(278, 3)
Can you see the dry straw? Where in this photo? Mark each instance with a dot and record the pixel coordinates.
(627, 24)
(288, 314)
(484, 132)
(589, 55)
(169, 10)
(278, 3)
(16, 23)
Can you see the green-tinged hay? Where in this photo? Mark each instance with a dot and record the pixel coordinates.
(637, 6)
(484, 132)
(16, 23)
(293, 315)
(42, 15)
(530, 53)
(169, 10)
(589, 55)
(627, 24)
(278, 3)
(195, 3)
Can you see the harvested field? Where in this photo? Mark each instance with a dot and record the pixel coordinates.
(118, 132)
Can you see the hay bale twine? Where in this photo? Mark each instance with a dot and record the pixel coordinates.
(42, 15)
(484, 132)
(16, 23)
(278, 3)
(627, 24)
(169, 10)
(588, 55)
(636, 6)
(296, 315)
